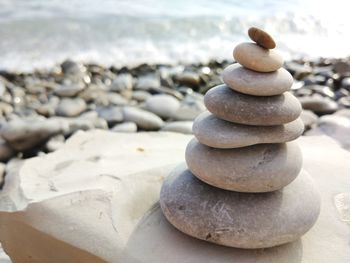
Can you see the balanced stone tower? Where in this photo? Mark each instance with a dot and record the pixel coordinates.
(244, 186)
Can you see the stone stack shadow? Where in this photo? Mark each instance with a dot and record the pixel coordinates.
(244, 185)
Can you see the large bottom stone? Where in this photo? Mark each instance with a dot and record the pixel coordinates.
(241, 220)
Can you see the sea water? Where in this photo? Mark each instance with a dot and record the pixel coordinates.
(41, 33)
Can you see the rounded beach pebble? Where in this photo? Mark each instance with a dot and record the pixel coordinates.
(255, 83)
(233, 106)
(257, 58)
(253, 169)
(217, 133)
(262, 38)
(242, 220)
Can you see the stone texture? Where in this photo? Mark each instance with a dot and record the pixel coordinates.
(143, 119)
(125, 127)
(163, 105)
(318, 104)
(71, 107)
(257, 168)
(335, 126)
(261, 37)
(255, 83)
(309, 119)
(179, 126)
(243, 220)
(22, 134)
(68, 223)
(217, 133)
(256, 58)
(230, 105)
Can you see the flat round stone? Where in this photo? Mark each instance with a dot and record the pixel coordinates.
(261, 37)
(217, 133)
(255, 83)
(233, 106)
(252, 169)
(257, 58)
(242, 220)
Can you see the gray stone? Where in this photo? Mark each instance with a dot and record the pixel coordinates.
(254, 57)
(111, 114)
(191, 106)
(122, 82)
(71, 67)
(318, 104)
(163, 105)
(24, 134)
(254, 169)
(232, 106)
(190, 79)
(335, 126)
(140, 95)
(69, 90)
(217, 133)
(184, 127)
(309, 119)
(116, 99)
(144, 119)
(71, 107)
(6, 151)
(255, 83)
(148, 82)
(125, 127)
(54, 143)
(243, 220)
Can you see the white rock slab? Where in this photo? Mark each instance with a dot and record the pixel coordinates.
(95, 200)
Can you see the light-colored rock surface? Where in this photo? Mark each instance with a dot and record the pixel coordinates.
(309, 119)
(143, 119)
(242, 220)
(254, 57)
(261, 37)
(218, 133)
(22, 134)
(319, 104)
(71, 107)
(255, 83)
(179, 126)
(233, 106)
(125, 127)
(335, 126)
(162, 105)
(257, 168)
(69, 221)
(190, 107)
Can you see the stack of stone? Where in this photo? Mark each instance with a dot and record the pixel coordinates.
(244, 186)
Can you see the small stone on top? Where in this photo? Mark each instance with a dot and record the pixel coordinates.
(262, 38)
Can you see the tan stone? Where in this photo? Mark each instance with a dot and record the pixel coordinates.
(217, 133)
(255, 83)
(254, 57)
(233, 106)
(257, 168)
(261, 37)
(243, 220)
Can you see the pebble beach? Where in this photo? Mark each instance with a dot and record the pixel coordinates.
(41, 109)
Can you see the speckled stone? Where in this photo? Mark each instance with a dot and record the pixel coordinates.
(233, 106)
(261, 37)
(242, 220)
(253, 169)
(217, 133)
(255, 83)
(257, 58)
